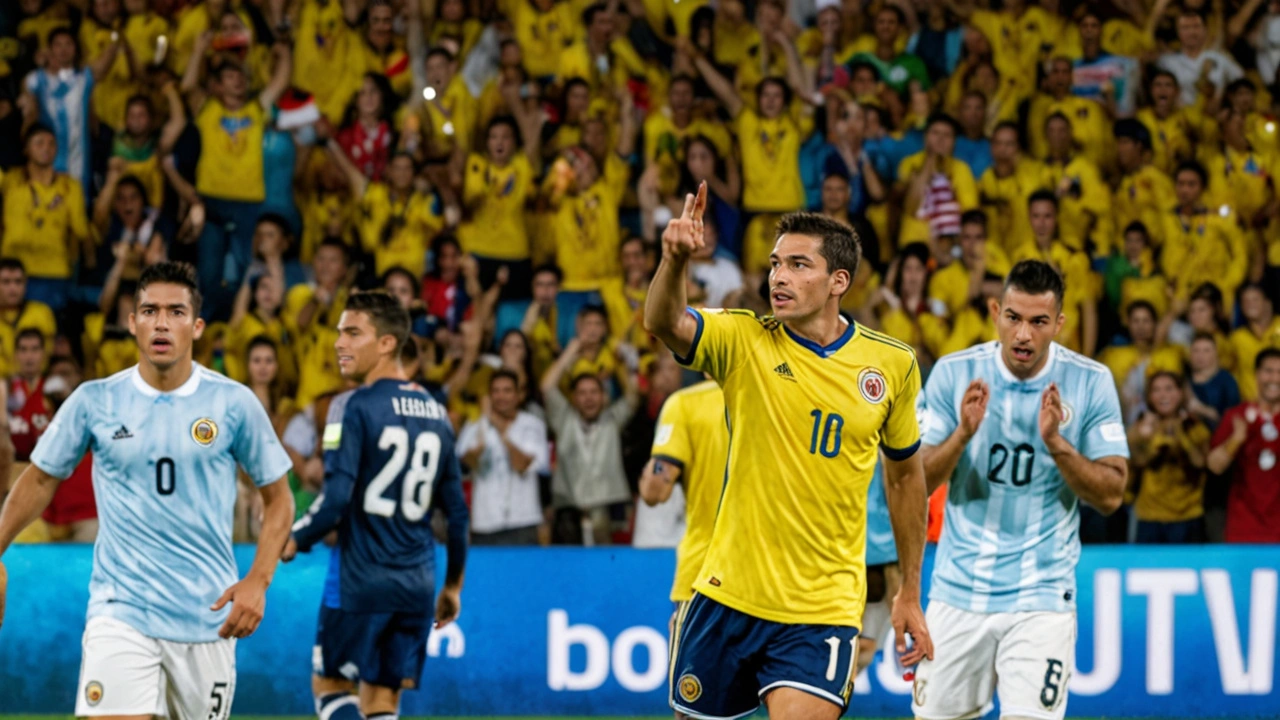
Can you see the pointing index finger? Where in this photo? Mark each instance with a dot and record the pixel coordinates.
(700, 202)
(689, 202)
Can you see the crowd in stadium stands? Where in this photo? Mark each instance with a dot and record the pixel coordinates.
(505, 168)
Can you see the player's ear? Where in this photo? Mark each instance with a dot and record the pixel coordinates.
(993, 309)
(1062, 319)
(197, 329)
(133, 325)
(841, 281)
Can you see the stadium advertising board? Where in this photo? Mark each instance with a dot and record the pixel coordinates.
(1169, 632)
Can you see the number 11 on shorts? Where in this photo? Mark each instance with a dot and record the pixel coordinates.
(834, 643)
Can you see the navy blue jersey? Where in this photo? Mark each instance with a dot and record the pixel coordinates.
(388, 460)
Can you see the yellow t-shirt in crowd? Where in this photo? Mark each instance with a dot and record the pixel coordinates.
(789, 541)
(110, 92)
(951, 283)
(1247, 346)
(1090, 127)
(1170, 489)
(494, 198)
(1005, 201)
(327, 57)
(1145, 195)
(451, 117)
(691, 435)
(543, 36)
(230, 166)
(770, 162)
(587, 238)
(1085, 211)
(1206, 247)
(1173, 139)
(31, 314)
(237, 346)
(317, 362)
(916, 229)
(43, 224)
(398, 231)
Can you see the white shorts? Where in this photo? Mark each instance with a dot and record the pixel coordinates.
(1032, 654)
(124, 672)
(877, 623)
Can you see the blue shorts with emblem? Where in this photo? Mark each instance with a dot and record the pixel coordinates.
(383, 649)
(723, 662)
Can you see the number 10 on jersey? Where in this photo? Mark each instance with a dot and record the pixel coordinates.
(826, 434)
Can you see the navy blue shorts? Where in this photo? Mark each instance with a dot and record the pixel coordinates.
(723, 662)
(383, 649)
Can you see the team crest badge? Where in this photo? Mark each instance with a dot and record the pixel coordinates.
(1068, 412)
(872, 385)
(690, 688)
(93, 693)
(204, 431)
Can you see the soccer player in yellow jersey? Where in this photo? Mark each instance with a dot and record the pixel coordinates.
(690, 445)
(810, 397)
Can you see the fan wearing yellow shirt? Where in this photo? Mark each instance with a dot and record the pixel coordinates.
(229, 173)
(495, 189)
(397, 220)
(605, 61)
(99, 34)
(137, 145)
(544, 28)
(17, 313)
(779, 599)
(1201, 244)
(586, 229)
(769, 140)
(1079, 332)
(979, 273)
(1261, 330)
(690, 445)
(448, 107)
(311, 316)
(1089, 123)
(45, 225)
(1243, 178)
(1144, 193)
(380, 51)
(923, 175)
(666, 130)
(1175, 130)
(1007, 185)
(330, 56)
(1084, 210)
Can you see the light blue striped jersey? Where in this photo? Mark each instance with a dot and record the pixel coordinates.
(164, 474)
(1010, 541)
(881, 548)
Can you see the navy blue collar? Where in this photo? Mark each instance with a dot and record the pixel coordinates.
(828, 350)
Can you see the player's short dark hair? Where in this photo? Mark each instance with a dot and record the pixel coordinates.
(505, 374)
(1036, 277)
(173, 273)
(840, 245)
(1195, 167)
(1043, 195)
(10, 263)
(1265, 355)
(385, 312)
(30, 332)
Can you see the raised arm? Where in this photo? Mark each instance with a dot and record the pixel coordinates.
(1100, 482)
(940, 461)
(1221, 457)
(658, 481)
(177, 121)
(355, 179)
(719, 84)
(665, 306)
(551, 378)
(801, 82)
(101, 65)
(280, 75)
(191, 77)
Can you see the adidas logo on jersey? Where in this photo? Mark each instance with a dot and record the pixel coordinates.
(784, 371)
(122, 433)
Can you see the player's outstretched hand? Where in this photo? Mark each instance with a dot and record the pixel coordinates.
(448, 606)
(973, 406)
(908, 619)
(249, 601)
(1050, 413)
(683, 235)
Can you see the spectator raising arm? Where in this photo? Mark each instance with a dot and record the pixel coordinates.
(191, 85)
(101, 65)
(280, 74)
(719, 84)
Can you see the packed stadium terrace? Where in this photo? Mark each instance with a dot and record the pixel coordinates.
(506, 168)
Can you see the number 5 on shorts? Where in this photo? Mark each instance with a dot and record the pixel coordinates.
(218, 698)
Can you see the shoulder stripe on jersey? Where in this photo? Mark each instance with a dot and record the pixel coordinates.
(888, 340)
(973, 352)
(1087, 363)
(894, 345)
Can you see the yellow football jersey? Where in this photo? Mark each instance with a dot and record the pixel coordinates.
(1005, 201)
(1246, 347)
(230, 166)
(494, 198)
(1087, 212)
(770, 162)
(1204, 248)
(397, 232)
(691, 435)
(805, 424)
(1144, 195)
(31, 314)
(43, 223)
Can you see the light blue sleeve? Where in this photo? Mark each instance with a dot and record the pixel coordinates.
(937, 408)
(65, 440)
(255, 445)
(1103, 432)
